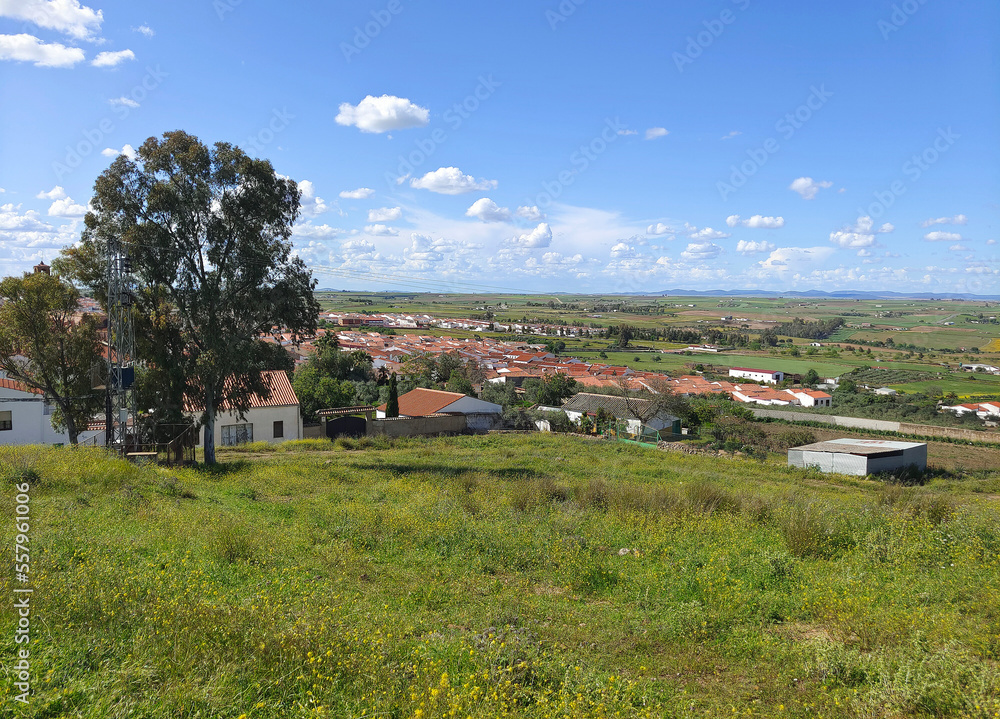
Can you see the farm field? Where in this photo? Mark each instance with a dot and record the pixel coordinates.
(503, 575)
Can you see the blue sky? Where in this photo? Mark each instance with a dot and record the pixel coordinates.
(541, 146)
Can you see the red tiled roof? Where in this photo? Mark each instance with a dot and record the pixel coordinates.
(282, 394)
(19, 386)
(421, 402)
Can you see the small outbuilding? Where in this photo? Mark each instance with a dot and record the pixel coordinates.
(859, 456)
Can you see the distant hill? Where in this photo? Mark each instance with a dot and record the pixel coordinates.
(839, 295)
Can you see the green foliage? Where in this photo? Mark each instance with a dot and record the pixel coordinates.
(46, 347)
(550, 390)
(811, 378)
(392, 405)
(317, 391)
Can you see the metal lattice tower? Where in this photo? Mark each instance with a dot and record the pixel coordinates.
(120, 403)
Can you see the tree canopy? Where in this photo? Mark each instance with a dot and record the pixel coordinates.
(208, 232)
(47, 345)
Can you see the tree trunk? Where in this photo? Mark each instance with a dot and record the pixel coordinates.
(209, 427)
(71, 429)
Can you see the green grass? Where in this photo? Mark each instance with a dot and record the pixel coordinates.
(506, 575)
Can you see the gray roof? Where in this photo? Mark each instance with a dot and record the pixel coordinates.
(862, 447)
(590, 403)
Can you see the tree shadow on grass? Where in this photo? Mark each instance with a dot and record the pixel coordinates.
(444, 470)
(221, 469)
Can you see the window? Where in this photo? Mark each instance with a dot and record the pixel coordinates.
(279, 429)
(236, 434)
(6, 421)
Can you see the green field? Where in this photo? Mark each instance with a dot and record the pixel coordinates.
(501, 576)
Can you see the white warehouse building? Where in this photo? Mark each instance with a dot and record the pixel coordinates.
(758, 375)
(859, 456)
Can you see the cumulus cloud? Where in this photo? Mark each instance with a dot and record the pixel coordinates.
(66, 16)
(808, 187)
(126, 150)
(706, 233)
(988, 242)
(954, 220)
(959, 248)
(488, 211)
(381, 230)
(938, 236)
(65, 207)
(531, 213)
(658, 229)
(362, 193)
(655, 132)
(28, 48)
(731, 135)
(382, 114)
(756, 222)
(701, 251)
(451, 181)
(112, 59)
(794, 259)
(310, 203)
(144, 30)
(861, 234)
(622, 249)
(541, 236)
(751, 248)
(385, 214)
(56, 193)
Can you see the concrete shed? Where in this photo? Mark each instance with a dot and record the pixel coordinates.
(859, 456)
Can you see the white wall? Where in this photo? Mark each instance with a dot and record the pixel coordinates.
(263, 420)
(30, 423)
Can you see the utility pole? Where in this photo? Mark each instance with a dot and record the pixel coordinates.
(120, 402)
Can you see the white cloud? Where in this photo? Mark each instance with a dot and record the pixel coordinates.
(655, 132)
(956, 220)
(622, 249)
(807, 187)
(66, 16)
(28, 48)
(530, 212)
(794, 259)
(56, 193)
(310, 203)
(381, 230)
(731, 135)
(541, 236)
(939, 236)
(658, 229)
(959, 248)
(65, 207)
(123, 101)
(627, 132)
(988, 242)
(488, 211)
(701, 251)
(126, 150)
(861, 234)
(382, 114)
(756, 222)
(112, 59)
(706, 233)
(144, 30)
(385, 214)
(750, 248)
(362, 193)
(451, 181)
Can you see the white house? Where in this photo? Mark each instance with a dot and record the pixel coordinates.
(859, 456)
(758, 375)
(275, 419)
(26, 418)
(983, 410)
(421, 402)
(811, 397)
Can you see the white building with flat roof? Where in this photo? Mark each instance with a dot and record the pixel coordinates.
(758, 375)
(859, 456)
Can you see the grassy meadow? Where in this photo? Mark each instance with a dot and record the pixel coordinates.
(500, 576)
